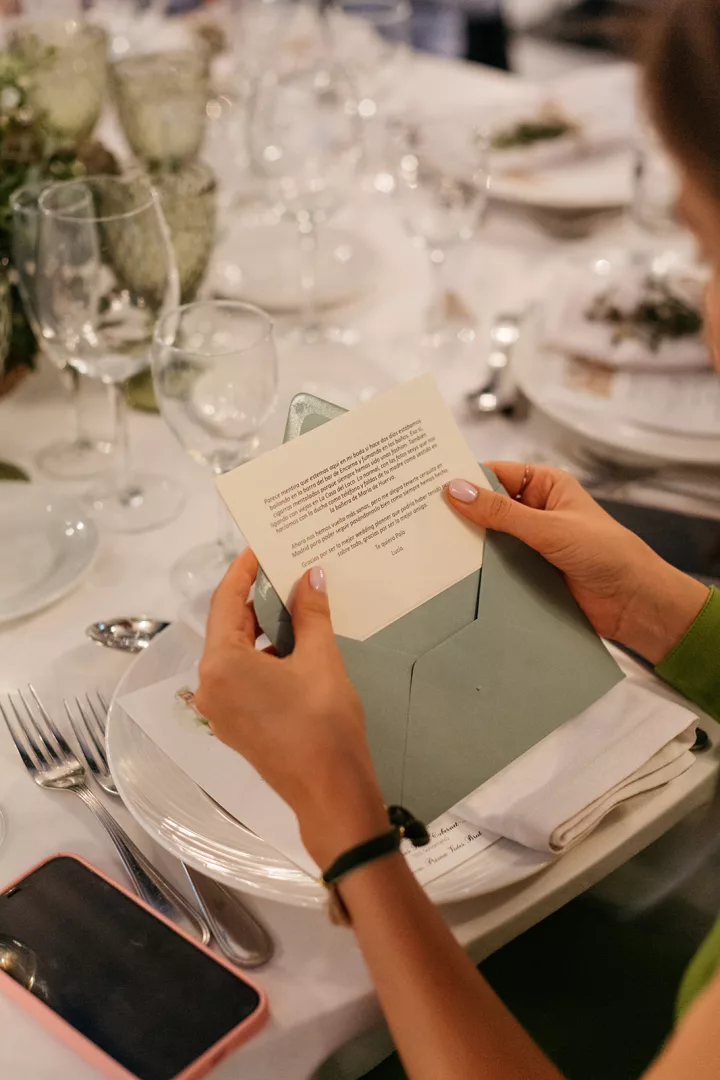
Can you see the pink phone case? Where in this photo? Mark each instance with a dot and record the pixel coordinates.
(92, 1053)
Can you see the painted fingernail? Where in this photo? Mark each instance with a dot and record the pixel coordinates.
(462, 491)
(318, 580)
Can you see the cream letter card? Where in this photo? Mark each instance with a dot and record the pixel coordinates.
(362, 496)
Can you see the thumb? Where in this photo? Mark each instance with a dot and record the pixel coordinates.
(493, 510)
(312, 625)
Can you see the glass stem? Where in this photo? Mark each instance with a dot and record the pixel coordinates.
(307, 235)
(126, 493)
(436, 310)
(229, 539)
(81, 439)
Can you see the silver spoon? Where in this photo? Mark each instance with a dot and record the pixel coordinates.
(131, 634)
(504, 335)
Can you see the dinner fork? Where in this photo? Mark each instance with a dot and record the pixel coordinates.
(238, 933)
(51, 763)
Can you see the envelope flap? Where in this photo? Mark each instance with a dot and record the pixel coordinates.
(526, 665)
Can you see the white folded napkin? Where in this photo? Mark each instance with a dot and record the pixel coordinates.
(632, 740)
(569, 330)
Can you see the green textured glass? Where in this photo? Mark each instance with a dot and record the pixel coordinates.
(67, 61)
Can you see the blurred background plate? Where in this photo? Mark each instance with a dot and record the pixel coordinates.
(595, 418)
(263, 265)
(47, 544)
(176, 813)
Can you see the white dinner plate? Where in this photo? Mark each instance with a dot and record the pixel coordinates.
(540, 374)
(262, 264)
(180, 816)
(47, 544)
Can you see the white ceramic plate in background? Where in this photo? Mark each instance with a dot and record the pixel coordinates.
(262, 265)
(47, 544)
(600, 425)
(180, 816)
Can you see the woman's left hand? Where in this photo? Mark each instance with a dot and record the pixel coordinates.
(297, 720)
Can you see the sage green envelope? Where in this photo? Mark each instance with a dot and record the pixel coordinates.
(467, 682)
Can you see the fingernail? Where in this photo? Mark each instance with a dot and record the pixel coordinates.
(462, 491)
(318, 581)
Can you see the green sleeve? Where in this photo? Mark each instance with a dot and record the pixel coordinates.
(693, 666)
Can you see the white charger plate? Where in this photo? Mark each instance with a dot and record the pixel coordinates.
(601, 427)
(47, 544)
(176, 813)
(262, 264)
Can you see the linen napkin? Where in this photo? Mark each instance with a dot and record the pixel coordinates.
(632, 740)
(569, 330)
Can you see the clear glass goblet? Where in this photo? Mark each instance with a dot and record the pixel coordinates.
(64, 459)
(443, 184)
(106, 273)
(67, 61)
(215, 375)
(304, 136)
(371, 39)
(161, 100)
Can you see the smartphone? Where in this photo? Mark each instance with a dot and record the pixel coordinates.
(134, 995)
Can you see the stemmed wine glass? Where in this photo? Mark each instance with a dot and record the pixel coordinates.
(65, 459)
(371, 39)
(304, 136)
(106, 273)
(215, 375)
(443, 183)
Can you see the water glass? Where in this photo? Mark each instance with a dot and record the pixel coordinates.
(161, 100)
(442, 187)
(304, 137)
(188, 197)
(106, 272)
(64, 459)
(67, 62)
(215, 376)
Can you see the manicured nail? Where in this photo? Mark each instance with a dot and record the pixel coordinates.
(462, 491)
(318, 580)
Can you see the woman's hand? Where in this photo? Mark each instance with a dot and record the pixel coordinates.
(626, 590)
(297, 720)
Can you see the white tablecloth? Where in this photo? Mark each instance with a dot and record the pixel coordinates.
(319, 992)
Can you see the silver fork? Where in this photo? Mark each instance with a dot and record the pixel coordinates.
(236, 930)
(51, 763)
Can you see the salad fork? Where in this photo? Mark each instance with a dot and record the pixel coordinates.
(238, 933)
(51, 763)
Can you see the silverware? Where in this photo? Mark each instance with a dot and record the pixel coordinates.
(51, 763)
(131, 634)
(236, 930)
(504, 335)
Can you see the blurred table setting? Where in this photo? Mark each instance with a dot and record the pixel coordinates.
(204, 215)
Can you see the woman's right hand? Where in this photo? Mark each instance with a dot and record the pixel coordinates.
(626, 590)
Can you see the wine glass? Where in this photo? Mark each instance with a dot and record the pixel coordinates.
(64, 459)
(106, 272)
(67, 62)
(304, 137)
(161, 101)
(443, 183)
(215, 374)
(371, 39)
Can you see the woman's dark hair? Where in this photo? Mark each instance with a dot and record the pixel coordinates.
(682, 77)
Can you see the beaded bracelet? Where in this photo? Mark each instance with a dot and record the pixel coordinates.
(404, 826)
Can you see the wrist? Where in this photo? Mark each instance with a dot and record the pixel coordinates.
(344, 809)
(661, 611)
